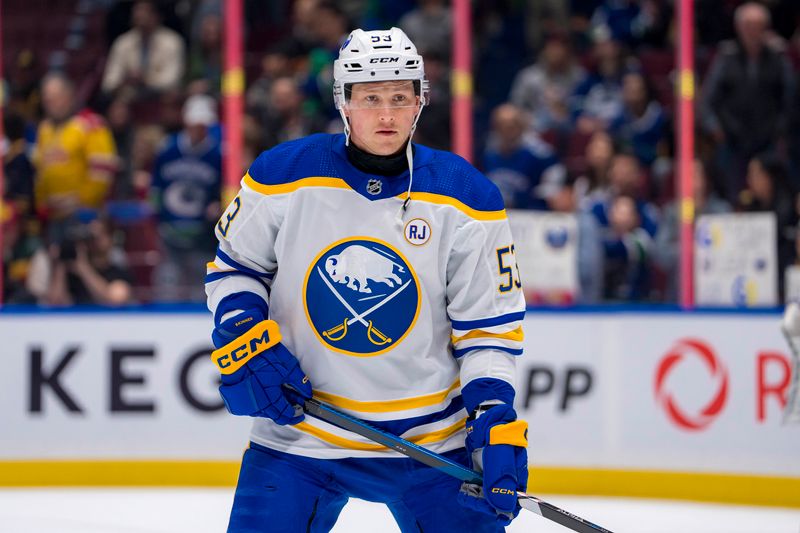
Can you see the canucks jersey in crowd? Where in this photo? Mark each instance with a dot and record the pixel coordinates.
(525, 175)
(186, 181)
(389, 313)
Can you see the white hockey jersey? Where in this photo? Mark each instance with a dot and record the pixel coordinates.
(389, 313)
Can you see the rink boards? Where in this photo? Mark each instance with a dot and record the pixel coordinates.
(619, 402)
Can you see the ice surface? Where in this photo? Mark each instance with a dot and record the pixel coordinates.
(206, 511)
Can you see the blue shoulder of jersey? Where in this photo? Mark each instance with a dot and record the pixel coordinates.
(452, 176)
(170, 150)
(310, 156)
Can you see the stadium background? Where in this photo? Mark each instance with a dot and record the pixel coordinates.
(636, 391)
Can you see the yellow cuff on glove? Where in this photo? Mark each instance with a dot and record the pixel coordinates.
(514, 433)
(256, 340)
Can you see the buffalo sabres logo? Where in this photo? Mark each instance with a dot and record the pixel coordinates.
(361, 297)
(374, 186)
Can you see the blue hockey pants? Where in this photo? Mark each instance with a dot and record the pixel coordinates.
(285, 493)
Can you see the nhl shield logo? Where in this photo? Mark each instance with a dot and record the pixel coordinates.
(374, 186)
(361, 297)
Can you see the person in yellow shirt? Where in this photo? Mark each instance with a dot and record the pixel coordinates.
(75, 156)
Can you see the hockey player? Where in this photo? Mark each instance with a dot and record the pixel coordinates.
(379, 276)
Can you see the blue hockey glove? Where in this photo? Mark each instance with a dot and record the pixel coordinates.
(255, 366)
(497, 445)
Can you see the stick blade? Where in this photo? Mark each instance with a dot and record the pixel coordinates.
(558, 515)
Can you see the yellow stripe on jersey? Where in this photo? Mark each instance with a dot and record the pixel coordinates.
(464, 208)
(211, 266)
(283, 188)
(338, 183)
(425, 438)
(515, 335)
(387, 406)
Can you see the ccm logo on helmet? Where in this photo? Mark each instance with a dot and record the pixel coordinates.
(384, 60)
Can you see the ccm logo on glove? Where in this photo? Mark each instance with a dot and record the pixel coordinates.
(256, 340)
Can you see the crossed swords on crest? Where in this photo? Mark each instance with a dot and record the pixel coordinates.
(339, 331)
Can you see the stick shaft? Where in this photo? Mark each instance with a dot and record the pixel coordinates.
(409, 449)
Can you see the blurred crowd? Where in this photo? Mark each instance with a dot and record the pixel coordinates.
(113, 166)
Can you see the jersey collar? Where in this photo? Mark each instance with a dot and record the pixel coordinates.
(370, 186)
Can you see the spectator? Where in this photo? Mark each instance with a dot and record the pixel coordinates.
(580, 15)
(628, 225)
(15, 254)
(9, 231)
(85, 267)
(430, 27)
(597, 100)
(626, 176)
(523, 167)
(287, 119)
(169, 115)
(24, 96)
(597, 160)
(149, 57)
(745, 101)
(628, 21)
(767, 190)
(793, 131)
(329, 27)
(544, 18)
(120, 121)
(434, 131)
(252, 141)
(186, 189)
(200, 10)
(302, 39)
(18, 172)
(275, 64)
(20, 228)
(591, 254)
(500, 51)
(205, 55)
(543, 88)
(666, 252)
(74, 156)
(144, 149)
(640, 126)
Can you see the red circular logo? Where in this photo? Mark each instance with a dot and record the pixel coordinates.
(685, 349)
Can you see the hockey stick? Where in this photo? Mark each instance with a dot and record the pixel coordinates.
(409, 449)
(790, 327)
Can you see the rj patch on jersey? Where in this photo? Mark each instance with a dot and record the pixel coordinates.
(361, 296)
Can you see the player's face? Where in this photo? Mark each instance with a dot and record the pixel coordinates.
(381, 115)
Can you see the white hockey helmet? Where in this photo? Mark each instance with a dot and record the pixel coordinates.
(380, 55)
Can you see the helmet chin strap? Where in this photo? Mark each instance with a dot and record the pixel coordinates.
(410, 159)
(346, 127)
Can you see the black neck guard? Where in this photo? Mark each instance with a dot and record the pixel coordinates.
(382, 165)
